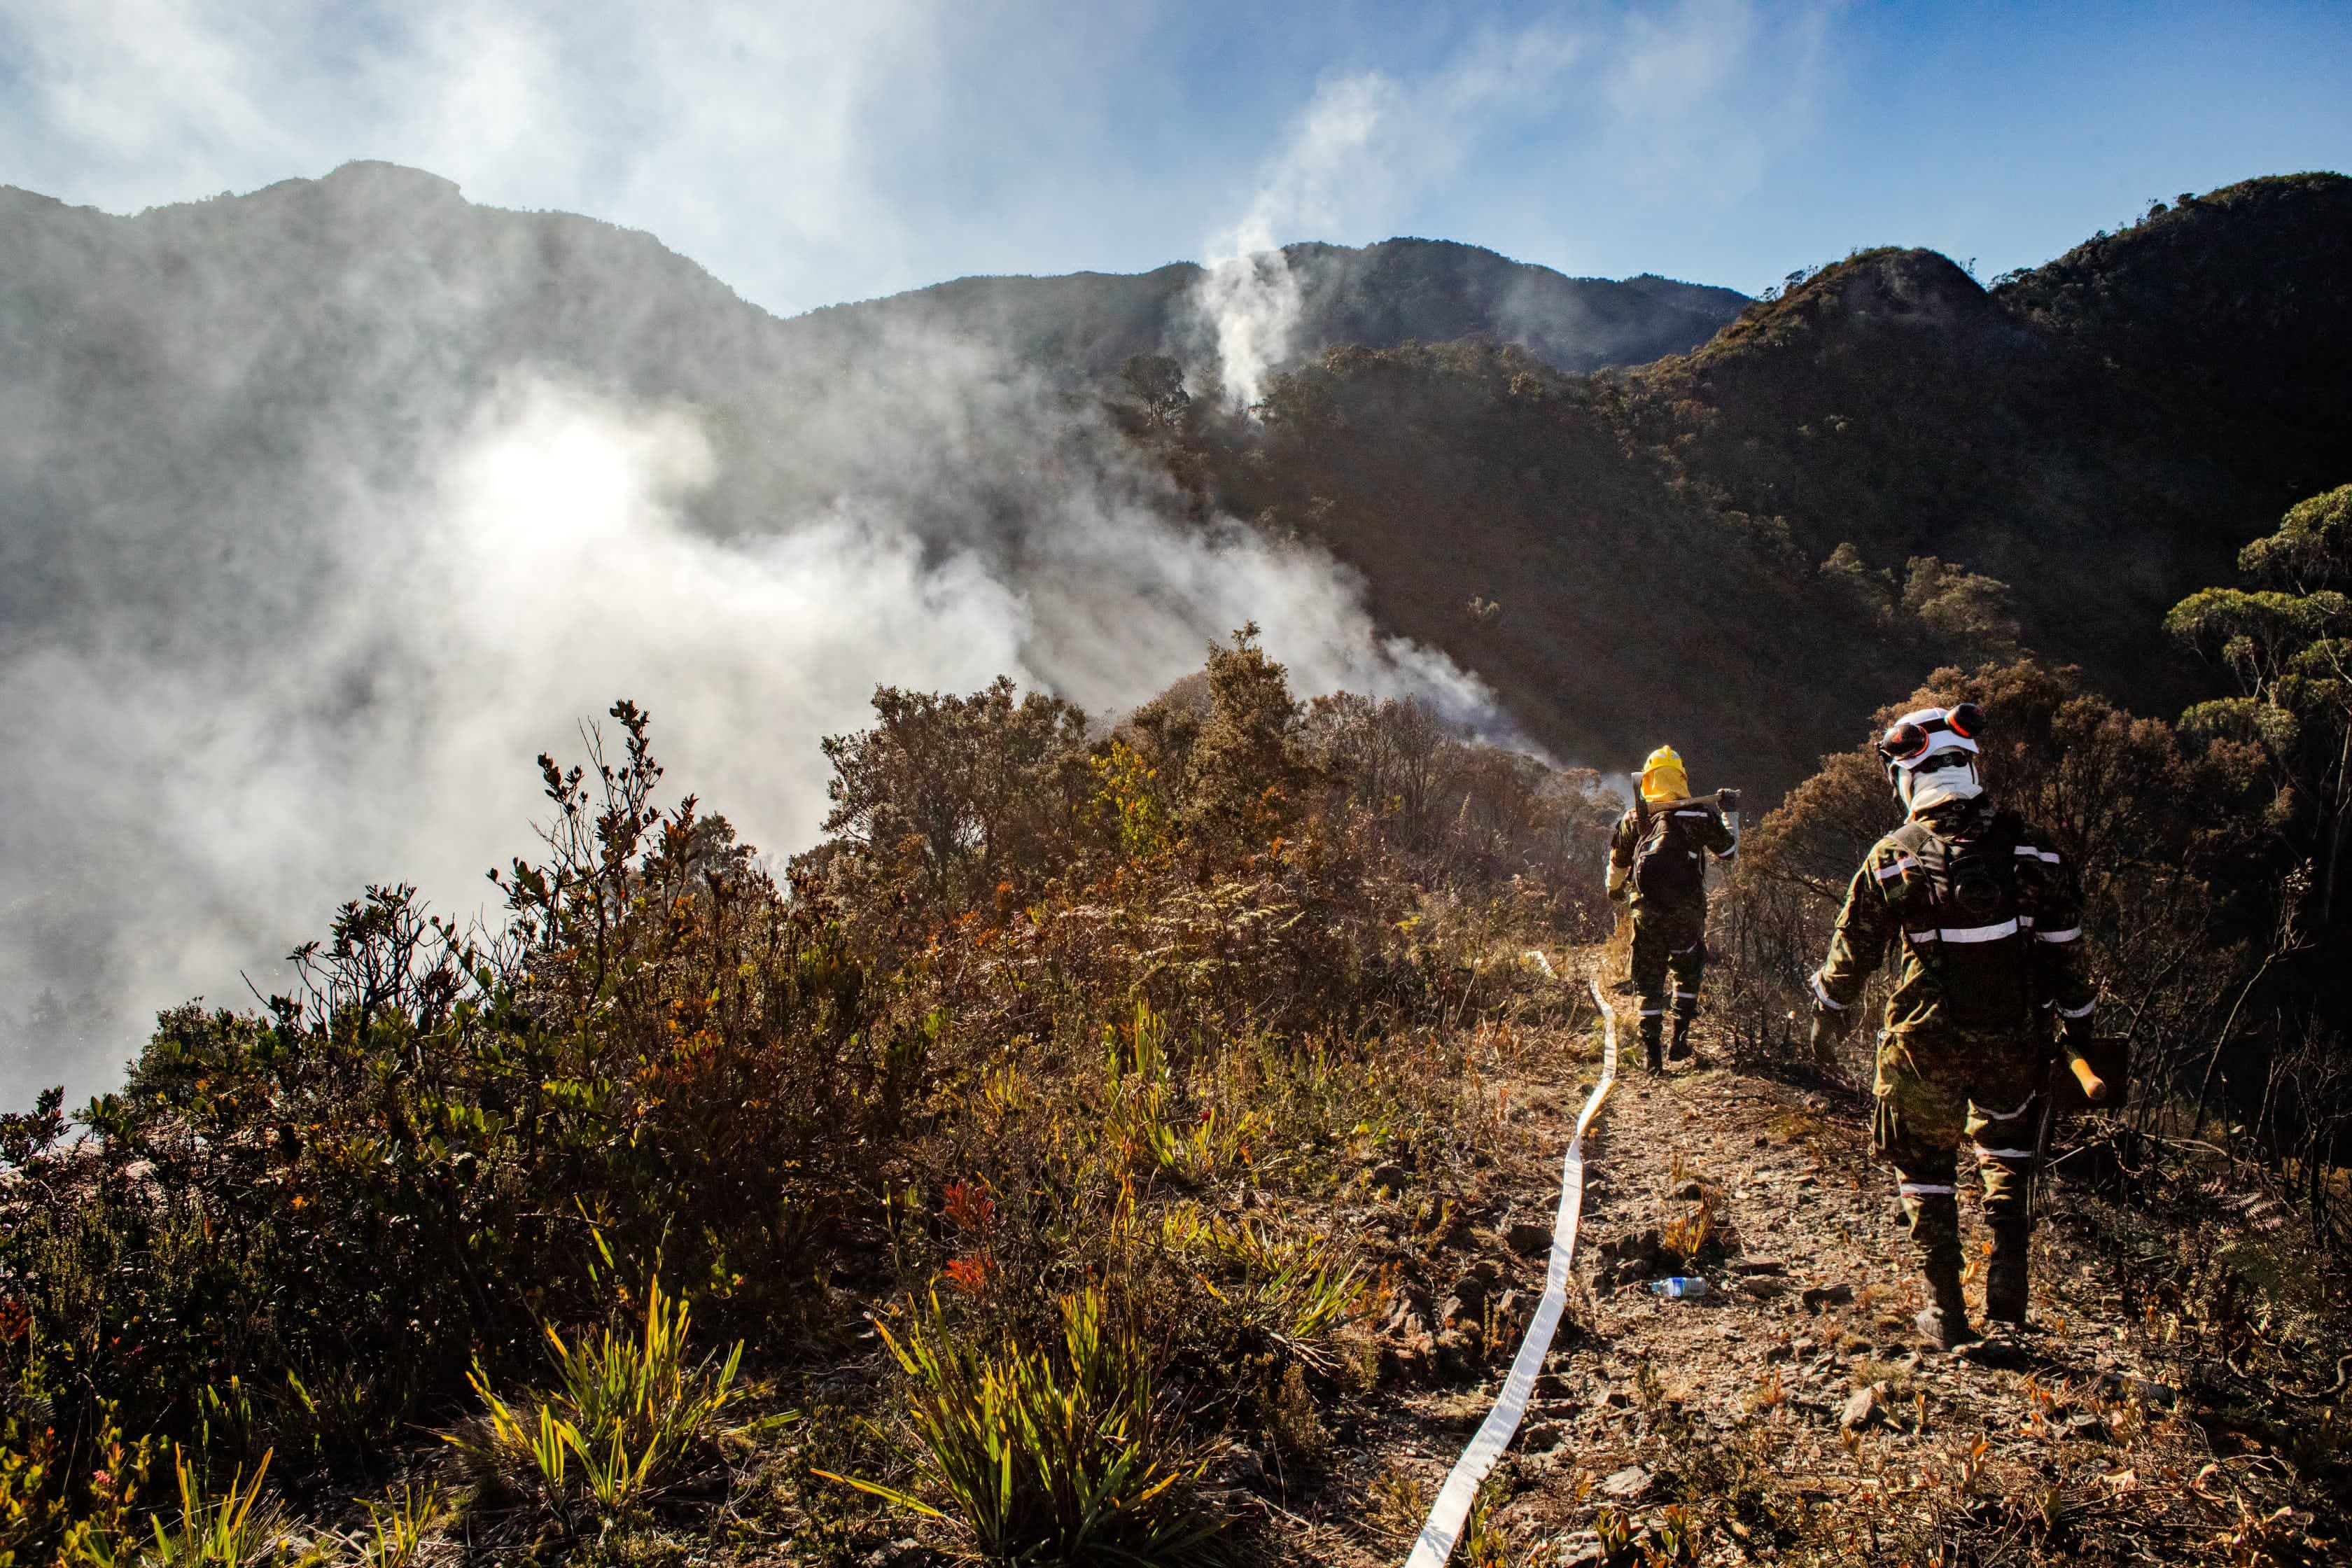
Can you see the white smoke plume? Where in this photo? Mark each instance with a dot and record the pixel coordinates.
(1363, 146)
(1249, 294)
(183, 813)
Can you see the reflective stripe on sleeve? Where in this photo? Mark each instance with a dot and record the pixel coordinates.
(1822, 995)
(1984, 1152)
(2044, 856)
(1894, 867)
(2069, 934)
(2082, 1012)
(1924, 1189)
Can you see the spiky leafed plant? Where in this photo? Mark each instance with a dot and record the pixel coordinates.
(1050, 1457)
(626, 1413)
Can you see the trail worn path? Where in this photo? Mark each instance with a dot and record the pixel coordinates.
(1791, 1414)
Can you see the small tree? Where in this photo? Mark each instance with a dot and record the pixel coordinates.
(964, 792)
(1156, 382)
(2288, 645)
(1247, 773)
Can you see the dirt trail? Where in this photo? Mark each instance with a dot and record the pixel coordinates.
(1790, 1414)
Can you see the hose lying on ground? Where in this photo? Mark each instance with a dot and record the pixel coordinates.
(1435, 1543)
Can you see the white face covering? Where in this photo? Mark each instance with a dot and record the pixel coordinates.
(1926, 783)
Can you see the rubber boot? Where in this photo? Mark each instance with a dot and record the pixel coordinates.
(2005, 1275)
(1653, 1027)
(1946, 1321)
(1681, 1050)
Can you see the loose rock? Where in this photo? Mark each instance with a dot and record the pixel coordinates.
(1861, 1409)
(1626, 1483)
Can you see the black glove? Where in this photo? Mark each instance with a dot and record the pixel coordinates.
(2074, 1035)
(1830, 1026)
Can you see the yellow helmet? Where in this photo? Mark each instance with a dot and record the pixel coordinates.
(1663, 778)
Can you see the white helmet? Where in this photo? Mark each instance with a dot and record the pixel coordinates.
(1929, 756)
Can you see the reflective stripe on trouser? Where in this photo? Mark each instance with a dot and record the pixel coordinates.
(1669, 938)
(1933, 1090)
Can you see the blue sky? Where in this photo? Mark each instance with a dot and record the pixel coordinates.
(807, 153)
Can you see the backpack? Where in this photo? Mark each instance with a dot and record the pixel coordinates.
(1668, 863)
(1966, 892)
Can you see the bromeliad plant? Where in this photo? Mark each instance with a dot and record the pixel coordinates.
(1049, 1457)
(626, 1416)
(1297, 1287)
(244, 1526)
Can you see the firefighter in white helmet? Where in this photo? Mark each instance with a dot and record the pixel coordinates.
(1984, 918)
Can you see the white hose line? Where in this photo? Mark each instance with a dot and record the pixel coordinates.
(1502, 1423)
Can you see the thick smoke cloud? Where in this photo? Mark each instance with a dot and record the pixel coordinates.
(299, 593)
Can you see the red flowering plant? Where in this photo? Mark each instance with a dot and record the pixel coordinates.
(973, 1212)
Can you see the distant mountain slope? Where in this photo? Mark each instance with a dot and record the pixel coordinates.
(219, 362)
(1655, 554)
(1379, 296)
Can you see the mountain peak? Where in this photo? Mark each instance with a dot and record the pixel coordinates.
(376, 180)
(1921, 288)
(1889, 288)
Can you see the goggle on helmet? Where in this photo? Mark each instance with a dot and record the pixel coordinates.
(1910, 738)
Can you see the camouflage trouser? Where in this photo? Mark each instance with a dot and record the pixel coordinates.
(1932, 1088)
(1667, 936)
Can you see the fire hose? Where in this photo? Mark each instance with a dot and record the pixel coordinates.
(1452, 1509)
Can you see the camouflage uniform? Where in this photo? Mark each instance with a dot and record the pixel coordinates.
(1669, 929)
(1966, 1048)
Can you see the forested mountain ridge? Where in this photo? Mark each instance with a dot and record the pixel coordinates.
(1744, 548)
(1380, 296)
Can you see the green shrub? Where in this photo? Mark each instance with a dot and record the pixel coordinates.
(243, 1527)
(627, 1413)
(1050, 1457)
(29, 1509)
(397, 1527)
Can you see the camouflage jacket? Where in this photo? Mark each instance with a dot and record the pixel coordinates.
(1698, 827)
(1987, 919)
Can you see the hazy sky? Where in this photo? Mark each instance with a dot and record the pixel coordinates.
(807, 153)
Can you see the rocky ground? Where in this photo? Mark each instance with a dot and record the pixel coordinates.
(1791, 1414)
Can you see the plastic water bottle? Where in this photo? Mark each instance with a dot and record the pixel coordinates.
(1678, 1288)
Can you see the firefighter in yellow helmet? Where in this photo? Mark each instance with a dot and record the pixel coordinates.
(1657, 865)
